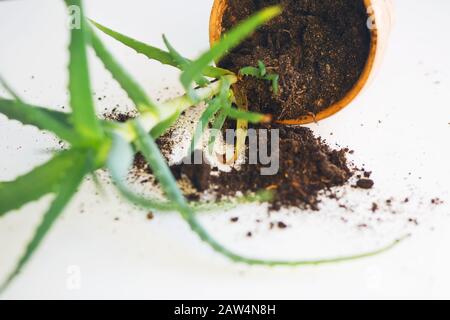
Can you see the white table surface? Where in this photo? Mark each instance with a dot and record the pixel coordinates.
(162, 258)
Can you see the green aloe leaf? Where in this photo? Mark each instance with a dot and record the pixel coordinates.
(174, 107)
(161, 170)
(60, 123)
(165, 125)
(9, 89)
(227, 43)
(119, 163)
(274, 78)
(148, 147)
(182, 62)
(182, 65)
(44, 119)
(42, 180)
(135, 92)
(250, 71)
(262, 68)
(251, 117)
(222, 100)
(84, 117)
(155, 53)
(261, 73)
(213, 107)
(67, 189)
(217, 126)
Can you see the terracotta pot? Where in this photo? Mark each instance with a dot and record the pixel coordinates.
(380, 20)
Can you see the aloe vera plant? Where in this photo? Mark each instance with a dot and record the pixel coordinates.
(96, 143)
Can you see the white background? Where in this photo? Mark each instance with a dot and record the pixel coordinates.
(399, 126)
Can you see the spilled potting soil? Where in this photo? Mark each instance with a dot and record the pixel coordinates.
(311, 172)
(308, 169)
(307, 166)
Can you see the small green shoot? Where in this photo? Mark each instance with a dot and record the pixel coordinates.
(261, 73)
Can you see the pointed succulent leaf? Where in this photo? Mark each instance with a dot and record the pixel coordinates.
(182, 62)
(262, 68)
(43, 180)
(142, 102)
(42, 118)
(217, 126)
(67, 189)
(157, 54)
(84, 117)
(250, 71)
(208, 114)
(274, 79)
(227, 43)
(251, 117)
(119, 163)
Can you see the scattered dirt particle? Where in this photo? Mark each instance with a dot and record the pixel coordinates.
(282, 225)
(436, 201)
(365, 183)
(375, 207)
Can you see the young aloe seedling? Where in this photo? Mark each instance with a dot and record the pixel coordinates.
(261, 73)
(96, 144)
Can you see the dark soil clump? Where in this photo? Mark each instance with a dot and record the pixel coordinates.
(365, 183)
(199, 175)
(318, 47)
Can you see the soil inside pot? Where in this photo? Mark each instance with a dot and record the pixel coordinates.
(318, 47)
